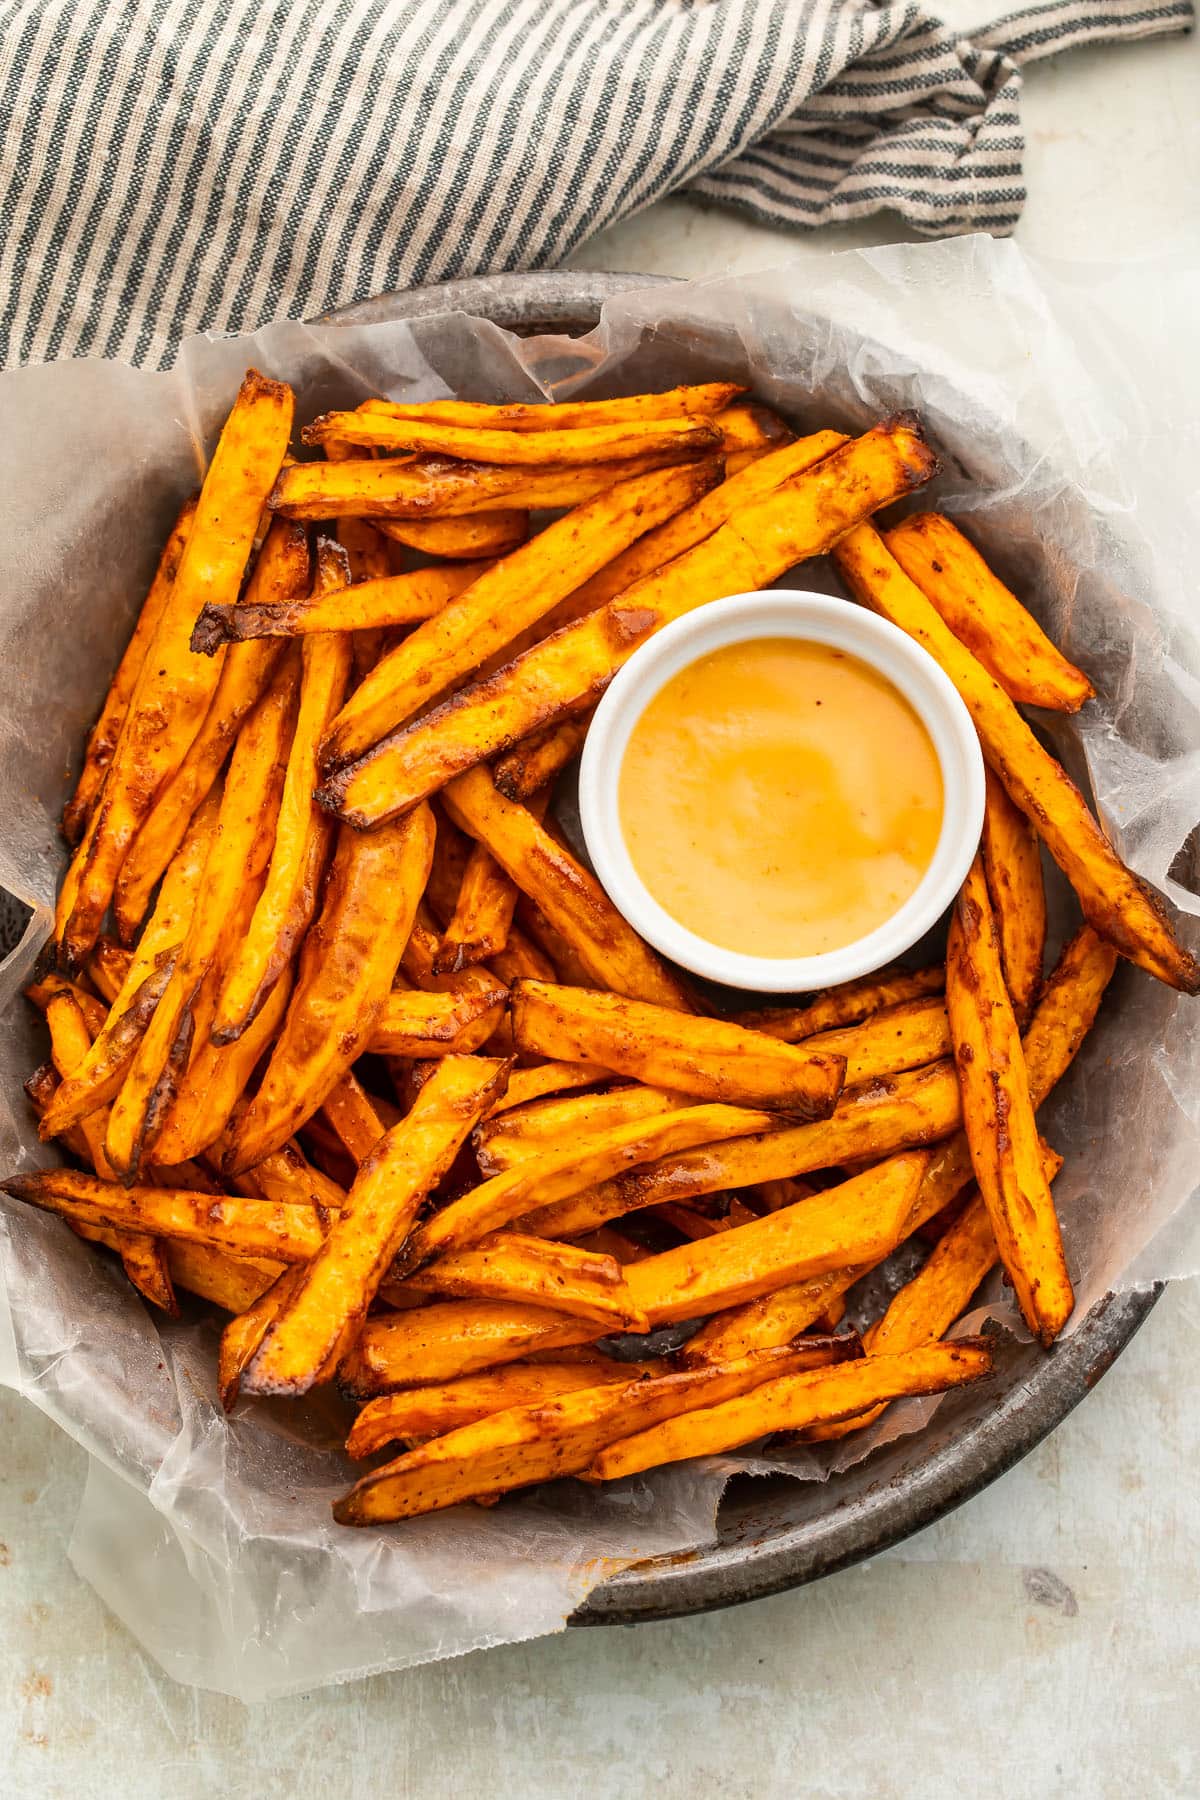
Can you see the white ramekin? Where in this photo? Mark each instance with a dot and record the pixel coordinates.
(818, 619)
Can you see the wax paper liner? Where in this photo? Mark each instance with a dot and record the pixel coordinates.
(1055, 398)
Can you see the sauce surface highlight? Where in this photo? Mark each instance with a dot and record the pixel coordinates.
(780, 798)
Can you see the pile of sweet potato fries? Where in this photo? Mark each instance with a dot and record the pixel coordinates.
(367, 1058)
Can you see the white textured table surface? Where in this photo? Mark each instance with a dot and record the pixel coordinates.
(1042, 1641)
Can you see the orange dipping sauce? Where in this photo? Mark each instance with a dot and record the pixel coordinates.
(780, 798)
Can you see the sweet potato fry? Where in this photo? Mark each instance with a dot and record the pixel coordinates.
(769, 1196)
(534, 763)
(678, 535)
(947, 1178)
(1061, 1020)
(547, 1078)
(504, 1262)
(174, 688)
(51, 987)
(353, 1115)
(998, 1114)
(383, 601)
(584, 445)
(144, 1260)
(766, 471)
(243, 682)
(484, 908)
(236, 861)
(468, 537)
(572, 899)
(480, 994)
(709, 1058)
(892, 1114)
(419, 1026)
(289, 896)
(565, 1170)
(191, 1174)
(926, 1307)
(451, 851)
(483, 915)
(610, 1242)
(102, 740)
(694, 1225)
(204, 1006)
(72, 881)
(1114, 900)
(533, 1271)
(370, 558)
(452, 1338)
(345, 971)
(652, 552)
(108, 968)
(243, 1336)
(848, 1226)
(795, 1401)
(326, 1151)
(1066, 1010)
(521, 960)
(431, 487)
(506, 599)
(288, 1177)
(872, 1121)
(566, 671)
(40, 1088)
(848, 1004)
(801, 518)
(984, 615)
(895, 1038)
(541, 1442)
(281, 571)
(749, 426)
(513, 1136)
(215, 1080)
(366, 550)
(695, 402)
(142, 1257)
(320, 1317)
(774, 1318)
(256, 1228)
(1013, 866)
(777, 1317)
(232, 1283)
(431, 1411)
(98, 1078)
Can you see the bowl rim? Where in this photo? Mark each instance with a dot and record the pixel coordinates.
(727, 1572)
(804, 617)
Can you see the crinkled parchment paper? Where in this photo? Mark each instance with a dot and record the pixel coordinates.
(1054, 397)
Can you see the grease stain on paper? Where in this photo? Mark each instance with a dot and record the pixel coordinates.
(1045, 1588)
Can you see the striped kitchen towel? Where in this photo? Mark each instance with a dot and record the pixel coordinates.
(169, 166)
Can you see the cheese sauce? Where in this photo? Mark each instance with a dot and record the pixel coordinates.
(780, 798)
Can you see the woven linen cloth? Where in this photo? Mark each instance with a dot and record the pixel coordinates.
(168, 166)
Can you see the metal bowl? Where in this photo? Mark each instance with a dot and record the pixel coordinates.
(777, 1533)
